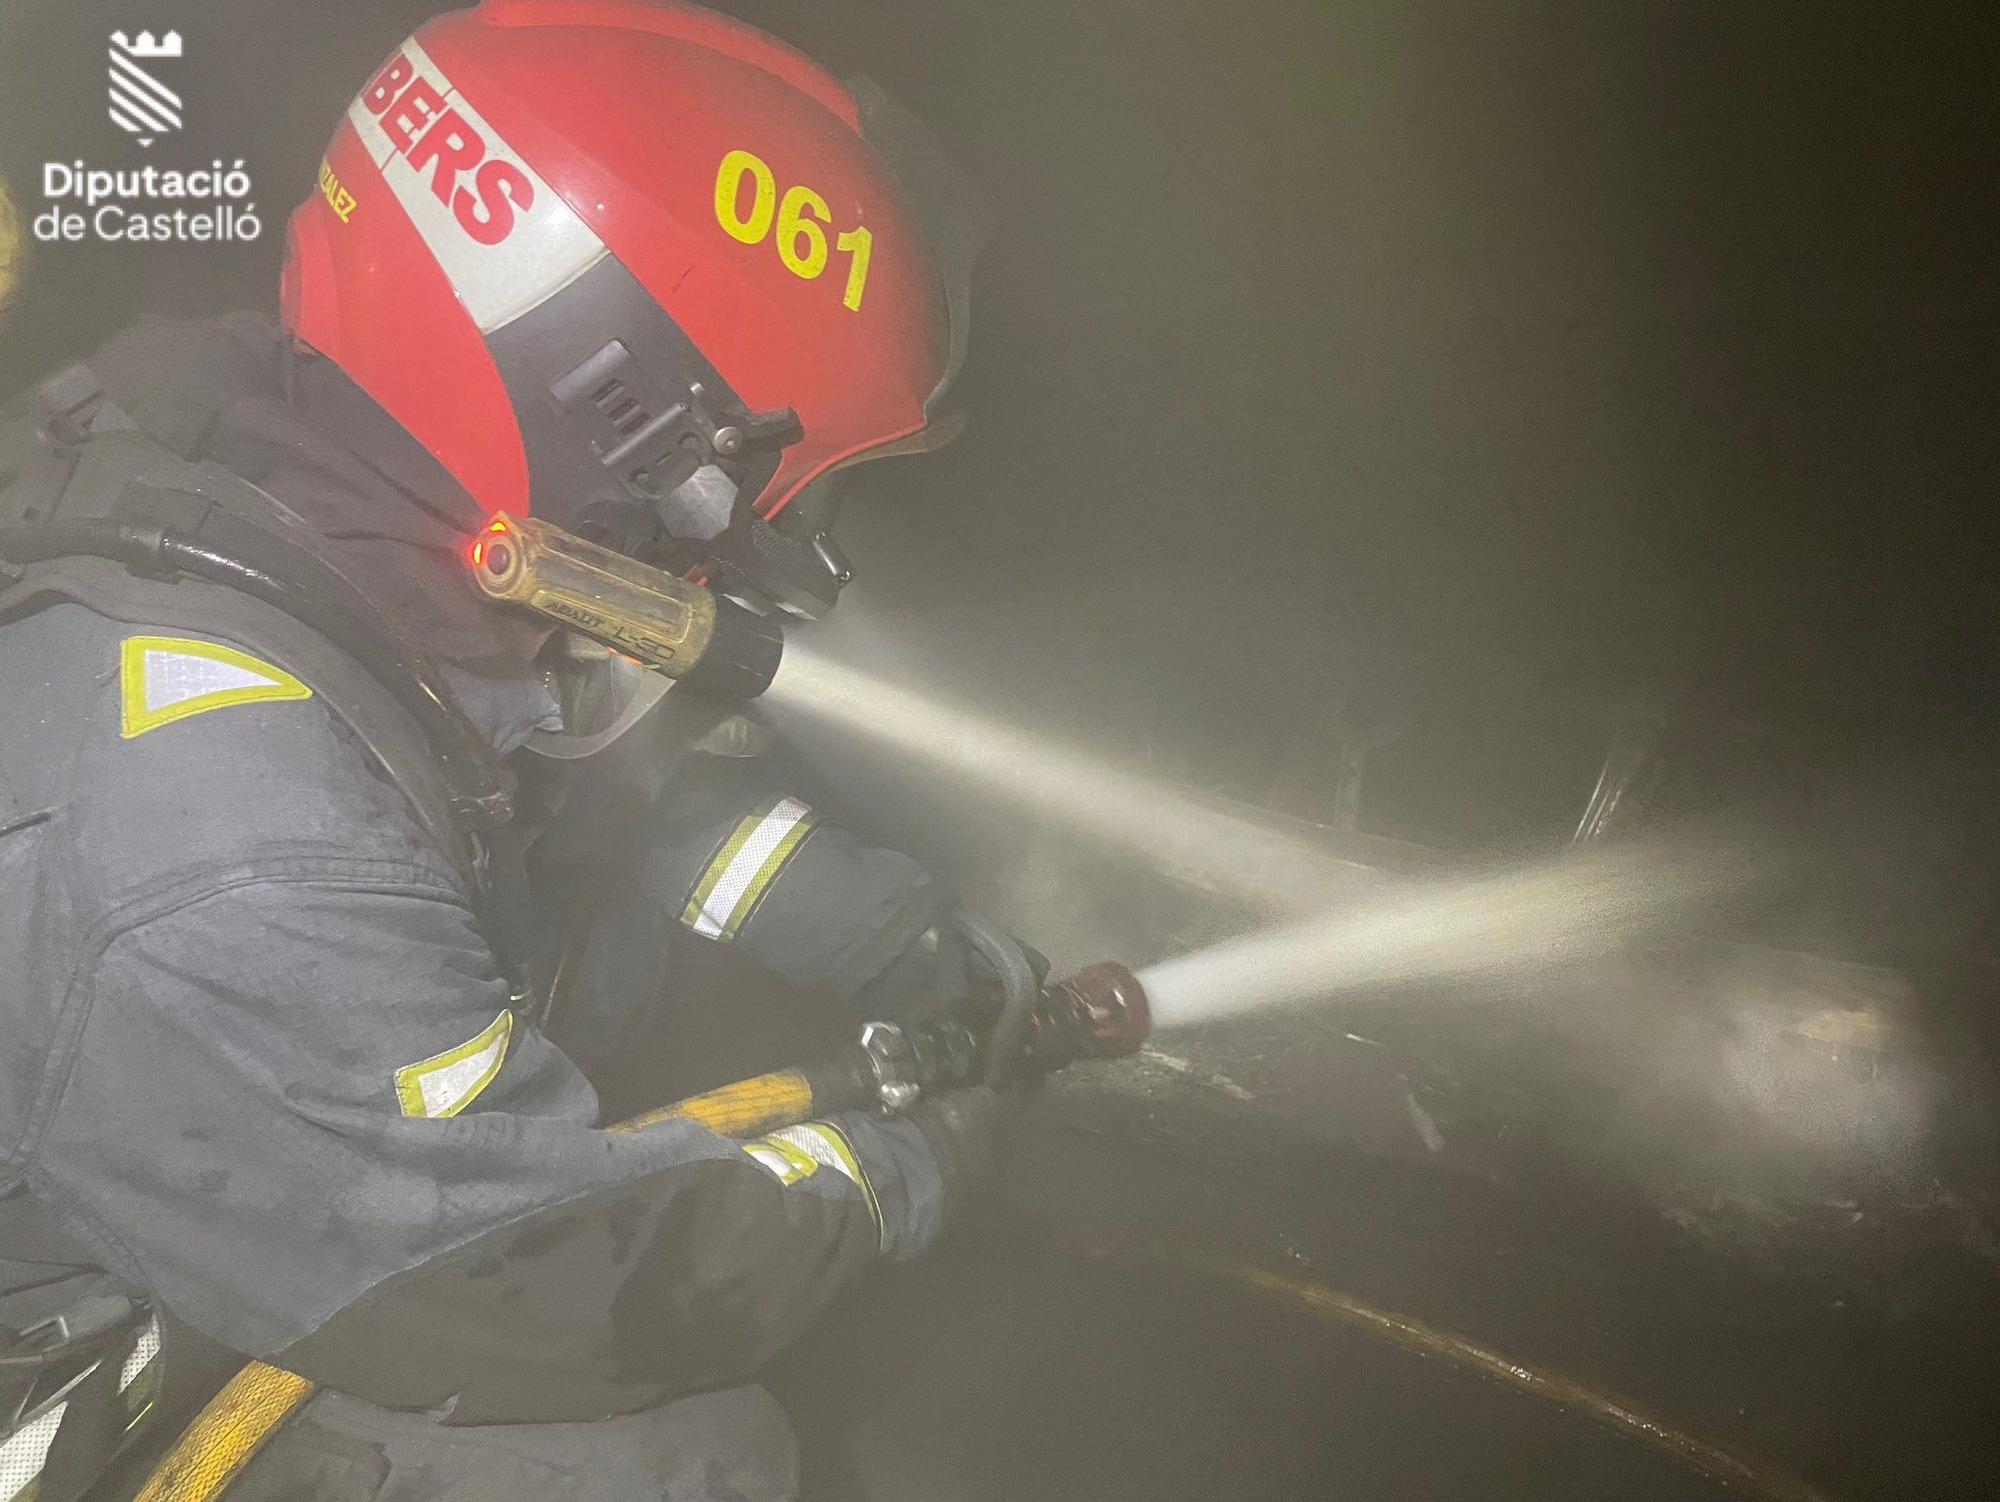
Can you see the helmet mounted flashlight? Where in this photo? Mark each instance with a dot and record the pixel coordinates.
(672, 626)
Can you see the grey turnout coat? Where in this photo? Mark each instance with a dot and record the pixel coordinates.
(258, 1061)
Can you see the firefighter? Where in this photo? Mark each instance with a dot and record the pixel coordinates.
(276, 1080)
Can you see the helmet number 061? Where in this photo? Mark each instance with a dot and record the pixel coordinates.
(801, 218)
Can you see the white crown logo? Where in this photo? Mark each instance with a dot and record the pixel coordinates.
(145, 107)
(167, 46)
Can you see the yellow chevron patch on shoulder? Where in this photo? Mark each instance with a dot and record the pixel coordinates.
(168, 678)
(446, 1083)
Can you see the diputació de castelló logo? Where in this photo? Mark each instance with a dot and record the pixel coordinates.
(155, 201)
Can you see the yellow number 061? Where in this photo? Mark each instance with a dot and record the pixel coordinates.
(800, 217)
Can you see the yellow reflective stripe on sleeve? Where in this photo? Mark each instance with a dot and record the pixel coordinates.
(139, 1379)
(786, 1163)
(712, 873)
(167, 678)
(826, 1146)
(740, 873)
(446, 1083)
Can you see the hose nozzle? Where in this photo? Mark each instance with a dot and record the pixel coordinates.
(1101, 1012)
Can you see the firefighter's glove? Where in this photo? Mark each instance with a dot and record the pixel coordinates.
(964, 1129)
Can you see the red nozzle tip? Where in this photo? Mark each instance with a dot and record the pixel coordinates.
(1112, 1007)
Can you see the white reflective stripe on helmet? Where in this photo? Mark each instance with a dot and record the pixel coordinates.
(505, 239)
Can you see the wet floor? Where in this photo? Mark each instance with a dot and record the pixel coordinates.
(1008, 1372)
(1006, 1368)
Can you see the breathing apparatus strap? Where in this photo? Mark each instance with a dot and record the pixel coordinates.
(129, 499)
(203, 549)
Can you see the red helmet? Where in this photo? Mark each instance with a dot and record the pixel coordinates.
(640, 270)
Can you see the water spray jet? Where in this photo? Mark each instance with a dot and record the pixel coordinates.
(1356, 932)
(1174, 831)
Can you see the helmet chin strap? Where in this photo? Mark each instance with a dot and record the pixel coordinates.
(647, 688)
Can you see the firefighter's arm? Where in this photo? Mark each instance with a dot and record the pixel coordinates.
(301, 1114)
(762, 871)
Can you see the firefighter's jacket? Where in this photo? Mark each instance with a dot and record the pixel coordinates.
(258, 1061)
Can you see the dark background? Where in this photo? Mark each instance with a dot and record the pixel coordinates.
(1478, 369)
(1481, 371)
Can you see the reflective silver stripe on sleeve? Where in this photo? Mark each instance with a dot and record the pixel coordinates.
(737, 877)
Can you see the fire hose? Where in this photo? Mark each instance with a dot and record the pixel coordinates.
(1098, 1013)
